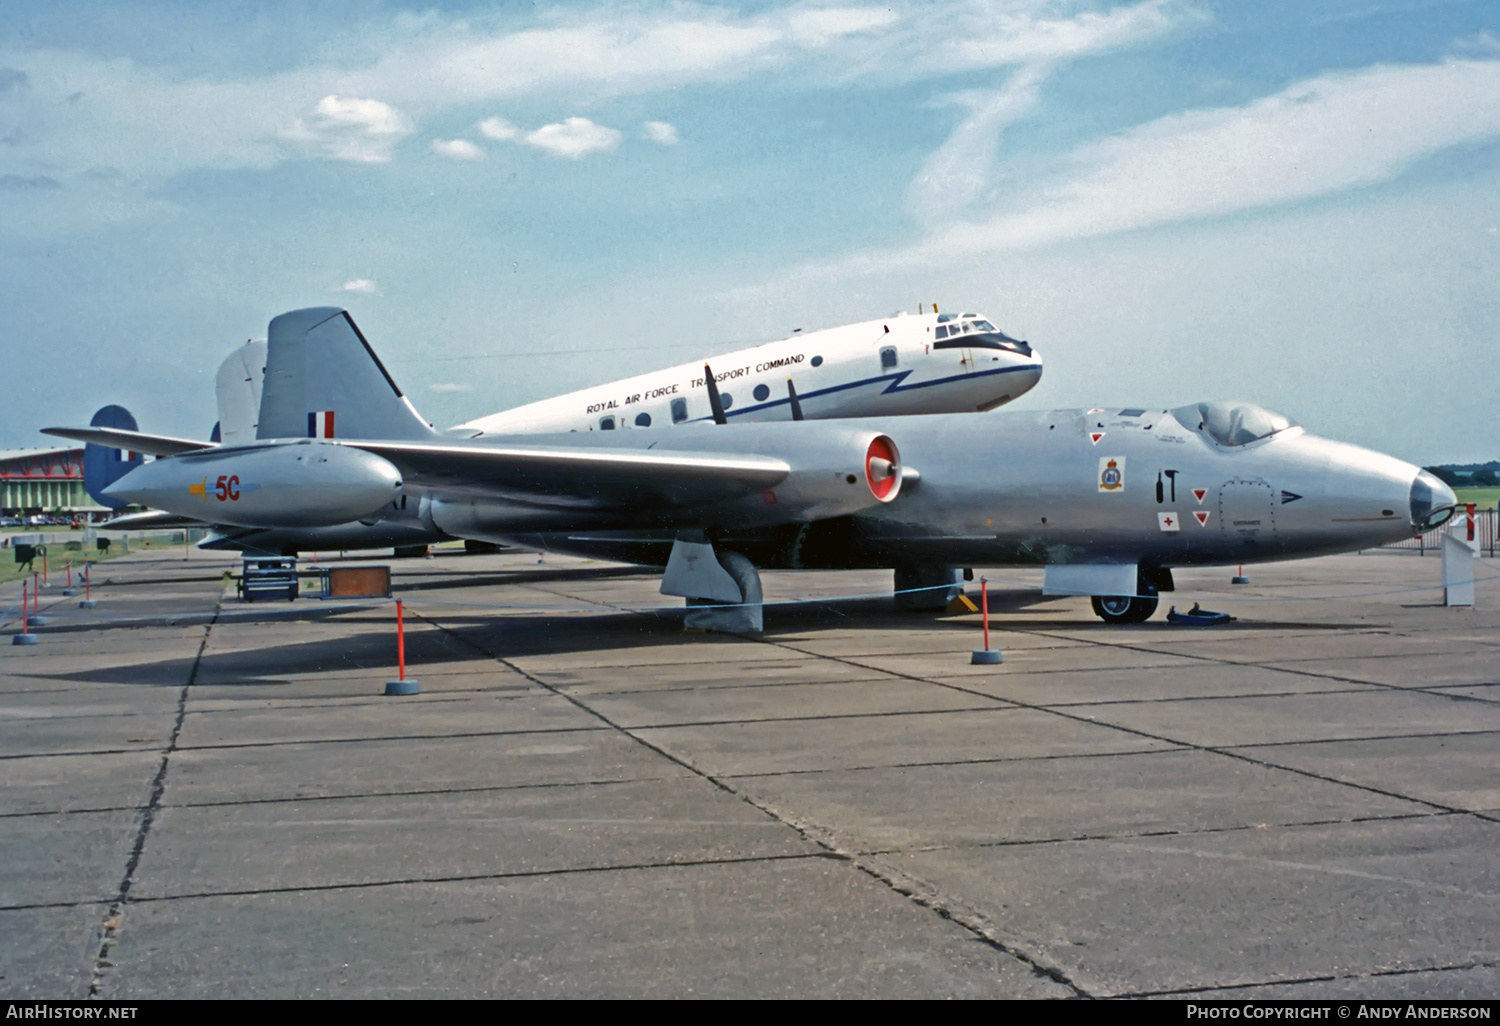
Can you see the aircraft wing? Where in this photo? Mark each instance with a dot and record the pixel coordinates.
(134, 441)
(581, 477)
(151, 520)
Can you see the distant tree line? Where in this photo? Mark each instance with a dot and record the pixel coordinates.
(1484, 475)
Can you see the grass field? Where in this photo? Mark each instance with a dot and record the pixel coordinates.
(1484, 498)
(58, 557)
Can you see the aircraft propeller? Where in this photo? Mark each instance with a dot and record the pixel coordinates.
(791, 390)
(714, 402)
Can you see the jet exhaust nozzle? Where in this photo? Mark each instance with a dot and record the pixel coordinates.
(883, 468)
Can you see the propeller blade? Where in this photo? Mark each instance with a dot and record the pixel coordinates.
(791, 390)
(714, 403)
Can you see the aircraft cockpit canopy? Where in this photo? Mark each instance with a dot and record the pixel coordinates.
(1230, 423)
(971, 331)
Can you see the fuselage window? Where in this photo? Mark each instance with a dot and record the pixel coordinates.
(726, 400)
(942, 331)
(817, 361)
(888, 358)
(762, 393)
(643, 420)
(679, 411)
(606, 423)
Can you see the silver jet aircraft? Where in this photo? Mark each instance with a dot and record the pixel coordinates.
(1108, 501)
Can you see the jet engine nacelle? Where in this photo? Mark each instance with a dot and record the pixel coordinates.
(303, 484)
(829, 471)
(833, 473)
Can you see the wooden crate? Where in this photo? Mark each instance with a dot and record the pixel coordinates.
(359, 582)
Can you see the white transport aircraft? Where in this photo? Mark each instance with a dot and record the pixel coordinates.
(928, 363)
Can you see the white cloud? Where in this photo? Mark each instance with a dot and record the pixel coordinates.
(1015, 38)
(350, 128)
(661, 132)
(451, 386)
(573, 138)
(360, 287)
(149, 121)
(1315, 138)
(457, 149)
(952, 37)
(960, 171)
(1484, 44)
(498, 128)
(820, 27)
(370, 117)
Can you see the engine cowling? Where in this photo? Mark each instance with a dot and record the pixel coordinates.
(833, 474)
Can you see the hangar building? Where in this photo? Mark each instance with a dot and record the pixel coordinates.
(34, 481)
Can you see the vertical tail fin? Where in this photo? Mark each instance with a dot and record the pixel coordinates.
(238, 387)
(323, 380)
(103, 465)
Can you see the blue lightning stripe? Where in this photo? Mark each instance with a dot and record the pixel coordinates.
(896, 385)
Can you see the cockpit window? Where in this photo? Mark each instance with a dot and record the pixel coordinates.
(981, 339)
(1233, 423)
(971, 331)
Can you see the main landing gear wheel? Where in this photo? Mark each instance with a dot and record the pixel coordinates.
(1123, 608)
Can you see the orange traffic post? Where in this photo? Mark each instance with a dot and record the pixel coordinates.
(985, 655)
(400, 643)
(37, 619)
(401, 686)
(984, 607)
(25, 637)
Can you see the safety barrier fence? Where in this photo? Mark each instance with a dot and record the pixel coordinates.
(1486, 527)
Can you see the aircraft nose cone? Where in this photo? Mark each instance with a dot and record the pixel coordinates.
(1432, 502)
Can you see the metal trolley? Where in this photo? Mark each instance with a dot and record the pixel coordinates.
(268, 578)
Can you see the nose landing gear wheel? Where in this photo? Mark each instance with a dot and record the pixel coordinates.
(1123, 608)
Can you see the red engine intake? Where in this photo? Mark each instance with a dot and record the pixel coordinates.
(883, 468)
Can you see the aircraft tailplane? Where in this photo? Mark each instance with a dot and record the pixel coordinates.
(323, 380)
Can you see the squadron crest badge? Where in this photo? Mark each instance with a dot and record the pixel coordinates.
(1111, 473)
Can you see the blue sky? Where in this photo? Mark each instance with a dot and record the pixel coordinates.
(1294, 203)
